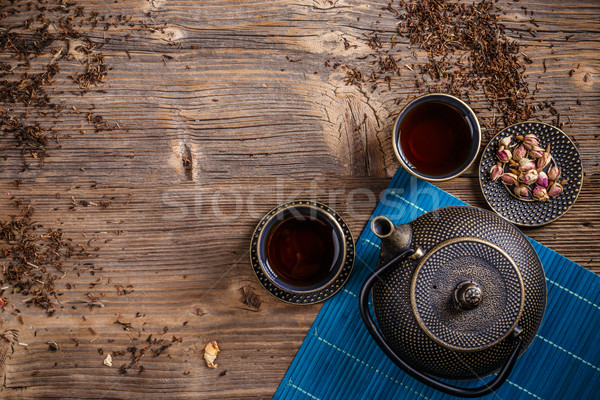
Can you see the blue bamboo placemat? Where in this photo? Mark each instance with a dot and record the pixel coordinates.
(339, 360)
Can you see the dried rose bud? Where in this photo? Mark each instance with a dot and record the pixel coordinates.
(510, 178)
(519, 153)
(540, 193)
(543, 161)
(542, 179)
(555, 189)
(504, 155)
(530, 141)
(529, 177)
(210, 354)
(521, 191)
(526, 165)
(553, 173)
(536, 152)
(504, 142)
(108, 360)
(496, 172)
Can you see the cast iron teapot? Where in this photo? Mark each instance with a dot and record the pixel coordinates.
(459, 293)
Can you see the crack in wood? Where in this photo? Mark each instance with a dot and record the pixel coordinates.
(8, 338)
(188, 162)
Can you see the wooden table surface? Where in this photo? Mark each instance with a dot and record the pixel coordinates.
(212, 113)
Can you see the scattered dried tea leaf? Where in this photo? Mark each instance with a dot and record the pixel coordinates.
(108, 361)
(249, 298)
(468, 49)
(210, 354)
(459, 48)
(32, 260)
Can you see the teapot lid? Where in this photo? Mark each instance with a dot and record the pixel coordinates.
(467, 294)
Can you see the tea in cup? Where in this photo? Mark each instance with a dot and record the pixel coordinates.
(302, 252)
(436, 137)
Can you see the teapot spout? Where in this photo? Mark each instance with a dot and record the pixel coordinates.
(394, 238)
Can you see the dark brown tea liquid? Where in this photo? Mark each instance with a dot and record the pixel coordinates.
(435, 138)
(302, 250)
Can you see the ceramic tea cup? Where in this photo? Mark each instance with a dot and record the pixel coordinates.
(436, 137)
(302, 252)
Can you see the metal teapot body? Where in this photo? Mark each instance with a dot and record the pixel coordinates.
(458, 293)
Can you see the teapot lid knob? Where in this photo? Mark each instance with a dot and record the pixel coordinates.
(468, 295)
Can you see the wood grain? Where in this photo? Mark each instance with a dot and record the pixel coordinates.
(241, 91)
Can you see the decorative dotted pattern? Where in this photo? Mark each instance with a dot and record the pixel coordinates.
(533, 213)
(310, 297)
(395, 315)
(436, 280)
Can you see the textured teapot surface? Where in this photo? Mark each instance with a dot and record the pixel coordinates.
(450, 312)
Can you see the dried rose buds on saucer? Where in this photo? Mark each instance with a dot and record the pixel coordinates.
(525, 164)
(530, 141)
(540, 193)
(521, 190)
(527, 169)
(542, 179)
(528, 177)
(504, 155)
(510, 179)
(556, 188)
(519, 153)
(544, 159)
(497, 171)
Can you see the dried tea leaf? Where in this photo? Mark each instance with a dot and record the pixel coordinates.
(108, 361)
(249, 298)
(210, 354)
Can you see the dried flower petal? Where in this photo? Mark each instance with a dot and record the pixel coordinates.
(542, 179)
(496, 172)
(504, 155)
(108, 361)
(510, 179)
(519, 153)
(529, 177)
(526, 165)
(553, 173)
(540, 193)
(521, 191)
(210, 354)
(530, 141)
(555, 189)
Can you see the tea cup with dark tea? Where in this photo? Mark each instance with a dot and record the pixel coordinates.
(302, 247)
(436, 137)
